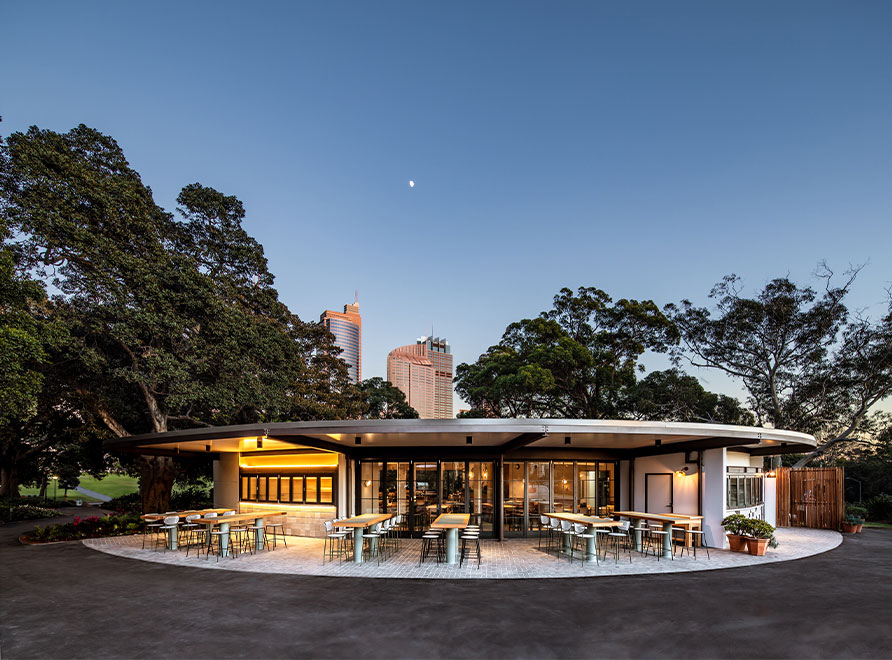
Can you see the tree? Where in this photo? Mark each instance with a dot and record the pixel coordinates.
(172, 324)
(673, 396)
(805, 364)
(382, 400)
(577, 360)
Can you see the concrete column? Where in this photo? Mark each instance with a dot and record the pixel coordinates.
(343, 494)
(714, 497)
(226, 482)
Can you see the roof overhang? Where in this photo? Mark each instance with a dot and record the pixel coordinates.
(360, 438)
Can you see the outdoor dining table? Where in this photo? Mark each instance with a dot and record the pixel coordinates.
(590, 523)
(668, 520)
(452, 522)
(172, 533)
(359, 523)
(225, 521)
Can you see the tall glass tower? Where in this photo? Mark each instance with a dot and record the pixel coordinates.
(423, 371)
(347, 329)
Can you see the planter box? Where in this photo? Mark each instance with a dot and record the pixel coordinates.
(849, 528)
(757, 547)
(737, 543)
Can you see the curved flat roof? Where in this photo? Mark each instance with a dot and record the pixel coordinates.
(362, 437)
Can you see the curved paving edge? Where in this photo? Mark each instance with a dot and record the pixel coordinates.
(514, 559)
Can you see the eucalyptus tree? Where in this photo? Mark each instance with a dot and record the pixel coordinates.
(381, 399)
(805, 361)
(576, 360)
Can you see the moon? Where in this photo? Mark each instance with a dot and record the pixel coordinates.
(411, 184)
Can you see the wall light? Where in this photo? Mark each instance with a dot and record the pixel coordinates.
(682, 472)
(468, 439)
(566, 439)
(368, 482)
(772, 474)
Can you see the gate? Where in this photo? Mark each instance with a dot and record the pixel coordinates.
(810, 497)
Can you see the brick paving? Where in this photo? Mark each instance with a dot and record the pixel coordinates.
(513, 559)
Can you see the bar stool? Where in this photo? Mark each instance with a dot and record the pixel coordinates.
(620, 539)
(429, 546)
(470, 548)
(568, 531)
(277, 530)
(545, 526)
(190, 532)
(150, 526)
(170, 523)
(581, 540)
(372, 542)
(206, 534)
(218, 534)
(554, 528)
(334, 544)
(696, 535)
(655, 540)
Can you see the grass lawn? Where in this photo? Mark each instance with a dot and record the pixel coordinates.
(72, 495)
(112, 485)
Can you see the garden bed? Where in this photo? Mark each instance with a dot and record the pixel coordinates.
(91, 527)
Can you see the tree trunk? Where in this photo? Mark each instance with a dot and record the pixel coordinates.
(156, 476)
(9, 481)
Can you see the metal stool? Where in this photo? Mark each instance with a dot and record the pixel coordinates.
(696, 534)
(428, 546)
(468, 550)
(277, 530)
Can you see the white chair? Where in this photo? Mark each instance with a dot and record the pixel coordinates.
(334, 544)
(171, 523)
(568, 532)
(581, 539)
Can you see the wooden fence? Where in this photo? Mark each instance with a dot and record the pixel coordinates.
(810, 497)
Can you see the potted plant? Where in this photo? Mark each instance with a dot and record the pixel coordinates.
(852, 524)
(759, 534)
(734, 526)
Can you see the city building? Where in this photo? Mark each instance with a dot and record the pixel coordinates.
(347, 329)
(423, 371)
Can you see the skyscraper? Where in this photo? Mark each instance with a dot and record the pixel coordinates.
(423, 371)
(347, 329)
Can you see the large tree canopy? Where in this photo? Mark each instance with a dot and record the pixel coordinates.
(381, 399)
(171, 324)
(806, 363)
(577, 360)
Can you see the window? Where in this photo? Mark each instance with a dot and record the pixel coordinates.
(744, 490)
(289, 488)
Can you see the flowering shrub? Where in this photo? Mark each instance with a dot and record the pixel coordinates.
(14, 511)
(88, 528)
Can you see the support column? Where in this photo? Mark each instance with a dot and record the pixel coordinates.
(226, 481)
(713, 484)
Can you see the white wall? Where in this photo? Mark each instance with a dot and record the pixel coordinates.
(684, 489)
(343, 506)
(625, 497)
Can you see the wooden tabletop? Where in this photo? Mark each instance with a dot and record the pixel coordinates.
(239, 517)
(364, 520)
(452, 520)
(588, 521)
(678, 518)
(182, 514)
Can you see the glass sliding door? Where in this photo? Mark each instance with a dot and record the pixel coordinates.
(480, 478)
(513, 494)
(539, 490)
(587, 488)
(398, 491)
(606, 489)
(454, 487)
(563, 487)
(426, 483)
(371, 497)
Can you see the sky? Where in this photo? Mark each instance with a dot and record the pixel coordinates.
(647, 149)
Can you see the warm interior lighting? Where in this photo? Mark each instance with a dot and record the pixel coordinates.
(772, 474)
(318, 460)
(682, 472)
(485, 474)
(471, 474)
(368, 482)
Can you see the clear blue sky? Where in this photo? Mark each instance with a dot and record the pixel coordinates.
(644, 148)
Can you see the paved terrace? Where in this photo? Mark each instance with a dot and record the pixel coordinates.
(515, 558)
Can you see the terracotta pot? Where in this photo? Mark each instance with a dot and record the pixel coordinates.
(860, 526)
(849, 528)
(757, 546)
(737, 543)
